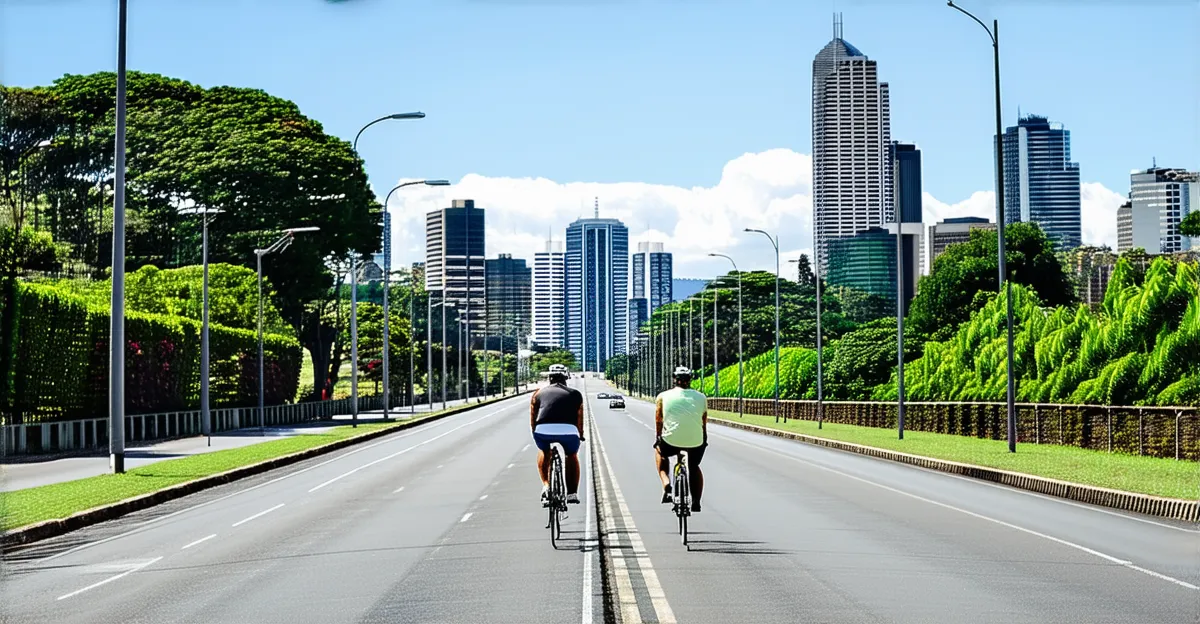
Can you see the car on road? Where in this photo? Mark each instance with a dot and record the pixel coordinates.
(603, 395)
(616, 402)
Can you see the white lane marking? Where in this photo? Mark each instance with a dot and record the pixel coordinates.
(484, 497)
(1055, 499)
(387, 440)
(441, 466)
(524, 448)
(639, 421)
(199, 541)
(257, 515)
(1057, 540)
(466, 516)
(110, 579)
(587, 530)
(626, 597)
(398, 490)
(510, 466)
(402, 451)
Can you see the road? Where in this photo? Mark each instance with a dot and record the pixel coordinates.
(22, 472)
(441, 524)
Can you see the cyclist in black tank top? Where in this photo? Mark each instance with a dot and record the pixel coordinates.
(556, 416)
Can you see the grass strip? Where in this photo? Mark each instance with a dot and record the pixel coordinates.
(59, 500)
(1117, 471)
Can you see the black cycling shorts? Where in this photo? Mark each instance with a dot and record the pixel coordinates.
(695, 454)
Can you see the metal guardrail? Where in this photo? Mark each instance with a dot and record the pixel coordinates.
(1154, 431)
(70, 435)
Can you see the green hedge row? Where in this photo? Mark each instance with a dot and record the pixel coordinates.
(59, 359)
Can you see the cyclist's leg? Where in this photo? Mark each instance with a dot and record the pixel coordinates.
(543, 442)
(570, 445)
(662, 461)
(695, 475)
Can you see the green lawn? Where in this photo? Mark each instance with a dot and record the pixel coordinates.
(59, 500)
(1147, 475)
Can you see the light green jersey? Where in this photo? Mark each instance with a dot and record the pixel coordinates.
(683, 417)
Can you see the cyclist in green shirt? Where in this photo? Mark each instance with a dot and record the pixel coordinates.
(681, 424)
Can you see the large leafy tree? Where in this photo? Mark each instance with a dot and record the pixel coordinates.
(964, 278)
(1190, 226)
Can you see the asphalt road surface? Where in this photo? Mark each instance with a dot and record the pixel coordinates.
(441, 524)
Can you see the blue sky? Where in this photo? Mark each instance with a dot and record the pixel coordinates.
(659, 92)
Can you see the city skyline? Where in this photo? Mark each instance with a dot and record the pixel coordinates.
(639, 154)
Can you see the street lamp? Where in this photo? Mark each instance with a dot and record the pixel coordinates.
(739, 286)
(387, 270)
(775, 244)
(444, 304)
(414, 115)
(820, 371)
(116, 331)
(279, 245)
(994, 35)
(207, 216)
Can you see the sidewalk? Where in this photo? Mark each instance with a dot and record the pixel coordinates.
(26, 472)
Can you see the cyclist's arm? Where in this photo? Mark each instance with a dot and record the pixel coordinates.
(658, 418)
(579, 421)
(704, 425)
(533, 410)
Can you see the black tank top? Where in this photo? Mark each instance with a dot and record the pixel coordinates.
(557, 404)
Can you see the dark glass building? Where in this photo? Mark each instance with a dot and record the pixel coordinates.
(1041, 184)
(509, 296)
(866, 262)
(597, 271)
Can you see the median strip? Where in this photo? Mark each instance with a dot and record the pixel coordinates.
(38, 513)
(1149, 504)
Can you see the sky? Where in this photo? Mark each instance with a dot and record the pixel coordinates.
(688, 120)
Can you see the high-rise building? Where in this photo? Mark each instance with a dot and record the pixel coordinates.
(454, 259)
(851, 141)
(639, 312)
(1125, 226)
(509, 296)
(1041, 184)
(906, 193)
(1161, 198)
(549, 292)
(953, 230)
(866, 262)
(652, 275)
(597, 268)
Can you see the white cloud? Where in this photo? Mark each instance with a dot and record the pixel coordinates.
(1099, 214)
(770, 190)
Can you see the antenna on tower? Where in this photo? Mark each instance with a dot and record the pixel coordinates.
(837, 25)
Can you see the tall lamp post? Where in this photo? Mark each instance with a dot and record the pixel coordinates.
(994, 35)
(387, 270)
(775, 244)
(279, 245)
(444, 304)
(820, 372)
(741, 412)
(207, 215)
(116, 331)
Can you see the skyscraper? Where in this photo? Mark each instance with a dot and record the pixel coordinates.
(851, 141)
(1161, 198)
(549, 288)
(509, 296)
(905, 163)
(597, 271)
(454, 248)
(652, 273)
(866, 262)
(1041, 184)
(1125, 226)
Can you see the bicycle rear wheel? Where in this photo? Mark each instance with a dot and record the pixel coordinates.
(683, 497)
(557, 496)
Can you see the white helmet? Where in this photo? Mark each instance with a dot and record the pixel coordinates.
(682, 371)
(557, 370)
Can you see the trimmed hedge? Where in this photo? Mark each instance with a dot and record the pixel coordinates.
(60, 352)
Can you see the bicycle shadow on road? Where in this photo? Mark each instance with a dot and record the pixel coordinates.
(729, 546)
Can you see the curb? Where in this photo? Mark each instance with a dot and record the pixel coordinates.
(1171, 508)
(53, 528)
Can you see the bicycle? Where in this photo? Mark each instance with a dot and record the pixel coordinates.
(683, 496)
(556, 501)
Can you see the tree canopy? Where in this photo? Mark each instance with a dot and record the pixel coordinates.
(1190, 225)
